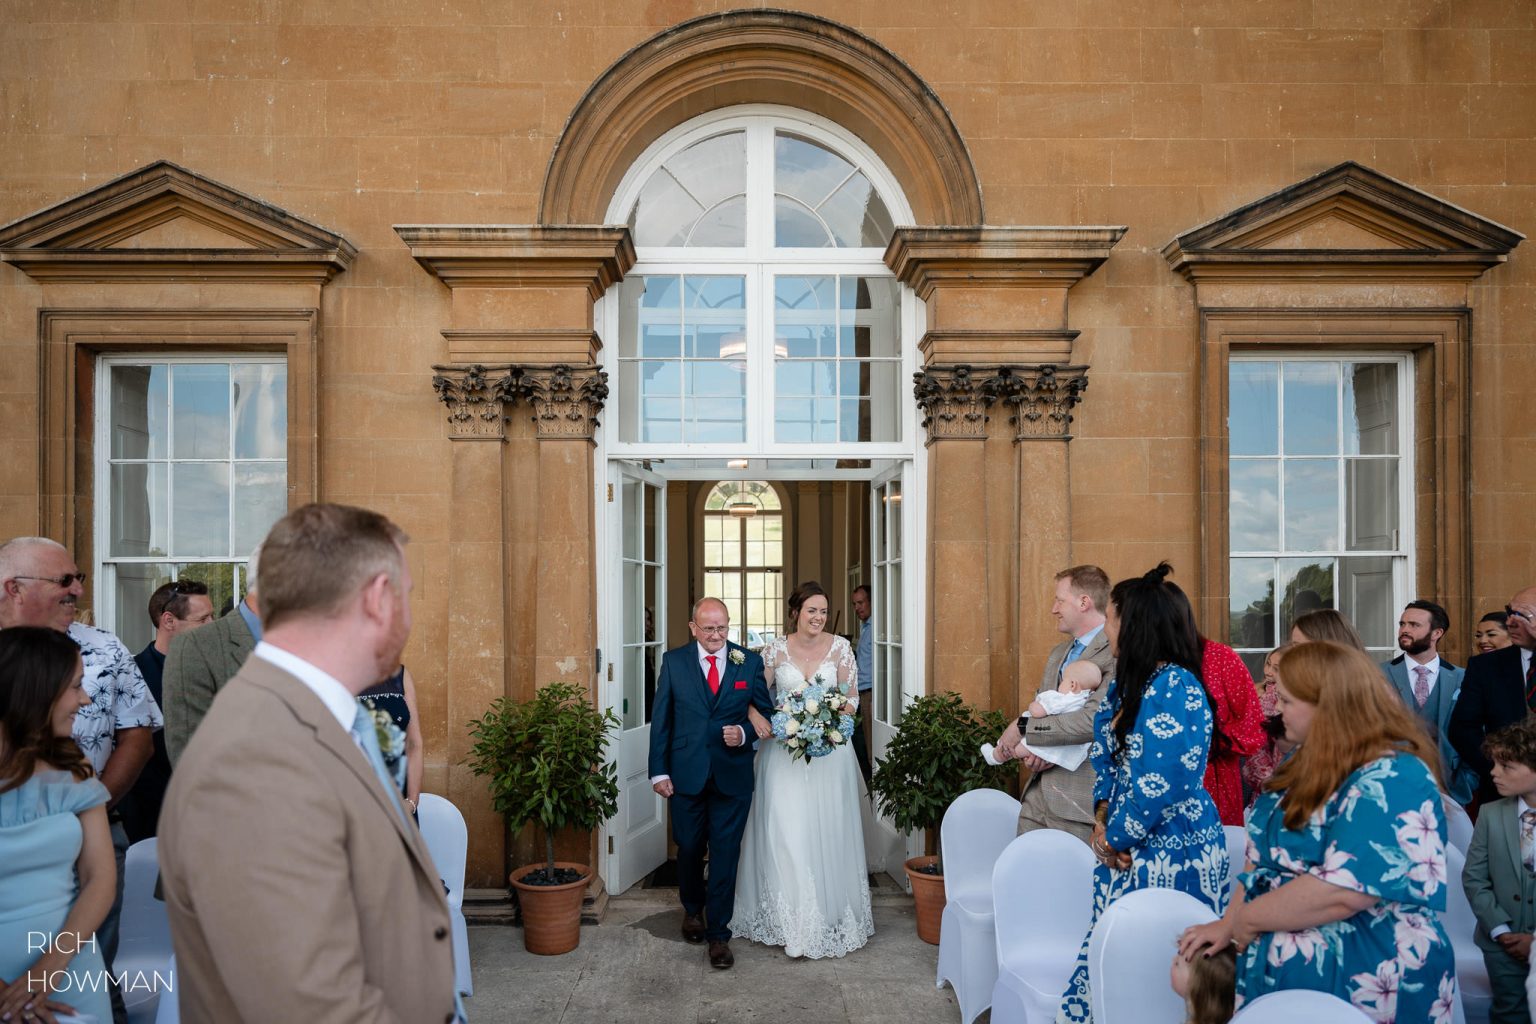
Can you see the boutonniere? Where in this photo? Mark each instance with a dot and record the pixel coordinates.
(737, 657)
(391, 742)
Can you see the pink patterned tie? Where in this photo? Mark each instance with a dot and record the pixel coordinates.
(1421, 684)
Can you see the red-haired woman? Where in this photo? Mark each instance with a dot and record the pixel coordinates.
(53, 828)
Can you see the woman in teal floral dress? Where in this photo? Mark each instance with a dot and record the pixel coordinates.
(1158, 826)
(1346, 852)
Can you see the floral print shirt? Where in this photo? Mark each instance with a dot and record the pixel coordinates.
(120, 698)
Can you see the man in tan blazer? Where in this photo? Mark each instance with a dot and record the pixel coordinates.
(1054, 797)
(200, 661)
(297, 887)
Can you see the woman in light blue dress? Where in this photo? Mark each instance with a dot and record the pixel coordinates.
(53, 830)
(1157, 824)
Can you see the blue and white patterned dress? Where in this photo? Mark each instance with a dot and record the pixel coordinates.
(1381, 833)
(1159, 809)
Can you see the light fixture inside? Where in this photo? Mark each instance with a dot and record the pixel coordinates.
(742, 507)
(736, 464)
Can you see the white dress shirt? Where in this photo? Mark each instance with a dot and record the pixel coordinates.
(338, 700)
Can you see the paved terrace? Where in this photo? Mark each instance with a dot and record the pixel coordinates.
(635, 968)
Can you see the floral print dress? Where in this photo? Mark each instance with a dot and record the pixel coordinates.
(1159, 809)
(1381, 833)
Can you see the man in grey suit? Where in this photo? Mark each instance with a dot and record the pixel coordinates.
(1055, 797)
(1429, 686)
(1498, 877)
(200, 662)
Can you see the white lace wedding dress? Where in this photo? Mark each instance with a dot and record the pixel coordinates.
(802, 882)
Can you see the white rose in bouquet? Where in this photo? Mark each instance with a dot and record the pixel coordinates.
(833, 736)
(812, 706)
(791, 727)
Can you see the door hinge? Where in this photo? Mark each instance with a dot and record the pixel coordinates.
(610, 844)
(610, 492)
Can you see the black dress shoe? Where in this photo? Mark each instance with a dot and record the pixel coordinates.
(720, 955)
(693, 928)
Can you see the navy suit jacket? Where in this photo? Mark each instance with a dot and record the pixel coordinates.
(1460, 779)
(687, 721)
(1492, 696)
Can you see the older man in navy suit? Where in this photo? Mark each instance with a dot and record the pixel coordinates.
(701, 760)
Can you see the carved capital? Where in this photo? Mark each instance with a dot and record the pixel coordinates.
(566, 400)
(954, 402)
(476, 397)
(1040, 399)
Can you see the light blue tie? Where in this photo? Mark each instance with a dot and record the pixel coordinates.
(368, 739)
(1072, 653)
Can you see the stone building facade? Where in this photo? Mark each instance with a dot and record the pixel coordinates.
(1234, 283)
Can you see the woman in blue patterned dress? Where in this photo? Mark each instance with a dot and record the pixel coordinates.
(53, 831)
(1158, 827)
(1346, 873)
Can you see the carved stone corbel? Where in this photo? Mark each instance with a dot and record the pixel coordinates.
(476, 397)
(566, 400)
(1041, 399)
(954, 401)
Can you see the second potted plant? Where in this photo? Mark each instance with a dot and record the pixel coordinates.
(933, 758)
(545, 762)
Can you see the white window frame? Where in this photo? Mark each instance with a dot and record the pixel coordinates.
(759, 262)
(1403, 582)
(104, 567)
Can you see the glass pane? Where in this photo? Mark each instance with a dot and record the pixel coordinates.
(634, 687)
(717, 420)
(893, 595)
(652, 532)
(139, 510)
(661, 420)
(1311, 504)
(806, 170)
(1371, 513)
(200, 410)
(796, 227)
(722, 226)
(659, 378)
(893, 701)
(139, 412)
(632, 521)
(1306, 585)
(792, 420)
(200, 509)
(261, 499)
(220, 580)
(697, 179)
(893, 519)
(1252, 603)
(136, 581)
(832, 189)
(1253, 417)
(664, 213)
(1370, 409)
(885, 379)
(634, 603)
(719, 380)
(856, 214)
(1365, 595)
(1254, 505)
(1311, 408)
(261, 411)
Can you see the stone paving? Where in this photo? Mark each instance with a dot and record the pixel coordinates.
(635, 968)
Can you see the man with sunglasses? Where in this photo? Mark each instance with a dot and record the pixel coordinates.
(1499, 689)
(40, 585)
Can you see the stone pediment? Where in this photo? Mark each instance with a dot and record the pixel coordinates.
(164, 222)
(1348, 221)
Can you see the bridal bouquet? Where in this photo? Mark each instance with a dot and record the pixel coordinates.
(810, 721)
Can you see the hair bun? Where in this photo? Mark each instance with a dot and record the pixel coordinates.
(1158, 574)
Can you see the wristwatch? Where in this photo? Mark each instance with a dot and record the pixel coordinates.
(1023, 723)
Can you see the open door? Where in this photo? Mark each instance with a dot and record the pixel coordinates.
(887, 848)
(634, 604)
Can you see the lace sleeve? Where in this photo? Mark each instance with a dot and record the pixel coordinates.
(772, 654)
(847, 670)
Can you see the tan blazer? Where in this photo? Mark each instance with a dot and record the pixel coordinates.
(197, 666)
(1057, 798)
(296, 891)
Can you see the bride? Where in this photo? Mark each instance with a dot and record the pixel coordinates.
(802, 882)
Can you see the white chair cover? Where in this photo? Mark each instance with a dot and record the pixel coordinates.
(144, 932)
(1299, 1005)
(1130, 953)
(442, 826)
(1042, 900)
(169, 1011)
(1237, 853)
(1472, 986)
(1457, 824)
(977, 827)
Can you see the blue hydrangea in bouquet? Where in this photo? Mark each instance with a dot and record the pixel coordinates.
(812, 719)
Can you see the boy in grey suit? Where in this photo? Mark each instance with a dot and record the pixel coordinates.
(1498, 877)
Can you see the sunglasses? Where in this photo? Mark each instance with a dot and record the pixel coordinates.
(1511, 613)
(62, 581)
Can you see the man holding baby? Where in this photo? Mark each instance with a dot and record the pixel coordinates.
(1052, 739)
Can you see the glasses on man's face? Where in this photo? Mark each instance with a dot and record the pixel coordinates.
(60, 581)
(712, 630)
(1513, 614)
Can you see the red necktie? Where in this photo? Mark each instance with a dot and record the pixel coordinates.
(714, 675)
(1530, 684)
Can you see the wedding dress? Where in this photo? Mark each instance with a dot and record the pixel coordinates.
(802, 881)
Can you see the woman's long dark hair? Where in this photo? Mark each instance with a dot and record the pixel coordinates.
(1156, 625)
(36, 664)
(803, 593)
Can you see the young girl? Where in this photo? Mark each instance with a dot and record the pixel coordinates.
(1208, 985)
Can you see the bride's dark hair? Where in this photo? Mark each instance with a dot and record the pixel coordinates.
(803, 593)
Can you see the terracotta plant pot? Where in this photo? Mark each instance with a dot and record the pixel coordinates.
(551, 913)
(928, 894)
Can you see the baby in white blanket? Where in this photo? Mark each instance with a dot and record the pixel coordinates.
(1077, 680)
